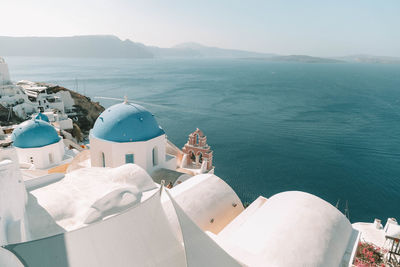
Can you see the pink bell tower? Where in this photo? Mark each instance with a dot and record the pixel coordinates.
(198, 151)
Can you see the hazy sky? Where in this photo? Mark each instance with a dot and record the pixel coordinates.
(318, 27)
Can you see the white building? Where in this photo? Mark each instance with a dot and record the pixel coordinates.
(4, 74)
(128, 133)
(57, 119)
(38, 143)
(26, 97)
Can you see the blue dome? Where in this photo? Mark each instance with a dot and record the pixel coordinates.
(126, 122)
(41, 116)
(34, 133)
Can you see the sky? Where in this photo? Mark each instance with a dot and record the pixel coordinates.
(312, 27)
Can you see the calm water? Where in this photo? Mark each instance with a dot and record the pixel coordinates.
(329, 129)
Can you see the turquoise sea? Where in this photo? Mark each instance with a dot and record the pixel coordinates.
(332, 130)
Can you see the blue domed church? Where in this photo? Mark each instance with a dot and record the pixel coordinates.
(128, 133)
(38, 143)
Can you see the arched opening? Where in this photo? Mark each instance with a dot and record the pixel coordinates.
(197, 139)
(155, 156)
(200, 157)
(51, 159)
(103, 159)
(192, 157)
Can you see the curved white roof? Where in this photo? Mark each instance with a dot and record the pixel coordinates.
(289, 229)
(138, 236)
(208, 201)
(85, 196)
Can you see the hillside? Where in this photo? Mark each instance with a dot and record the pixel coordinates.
(109, 46)
(76, 46)
(8, 117)
(216, 52)
(298, 58)
(87, 110)
(370, 59)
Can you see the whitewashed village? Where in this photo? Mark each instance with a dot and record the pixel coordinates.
(130, 197)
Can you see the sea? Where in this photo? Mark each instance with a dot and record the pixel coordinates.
(332, 130)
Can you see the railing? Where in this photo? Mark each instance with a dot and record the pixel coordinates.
(393, 254)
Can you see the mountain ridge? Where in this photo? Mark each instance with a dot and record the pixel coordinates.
(111, 46)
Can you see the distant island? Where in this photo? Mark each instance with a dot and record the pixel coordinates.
(109, 46)
(370, 59)
(299, 58)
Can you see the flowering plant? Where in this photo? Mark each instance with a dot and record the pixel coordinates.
(368, 255)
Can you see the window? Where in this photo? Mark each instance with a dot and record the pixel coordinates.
(51, 160)
(103, 159)
(129, 158)
(155, 156)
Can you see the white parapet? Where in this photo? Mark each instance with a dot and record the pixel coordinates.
(13, 198)
(4, 74)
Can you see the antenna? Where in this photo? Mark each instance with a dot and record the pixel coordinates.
(337, 203)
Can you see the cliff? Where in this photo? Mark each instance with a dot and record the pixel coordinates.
(4, 117)
(87, 110)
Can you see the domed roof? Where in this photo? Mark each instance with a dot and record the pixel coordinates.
(126, 122)
(34, 133)
(41, 116)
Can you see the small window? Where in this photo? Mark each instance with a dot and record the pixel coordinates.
(51, 160)
(103, 159)
(155, 156)
(129, 158)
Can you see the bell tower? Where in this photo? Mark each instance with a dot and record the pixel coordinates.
(198, 152)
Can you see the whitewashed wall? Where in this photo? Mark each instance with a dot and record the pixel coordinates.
(115, 153)
(40, 155)
(4, 74)
(13, 198)
(66, 98)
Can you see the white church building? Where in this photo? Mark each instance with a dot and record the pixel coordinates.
(38, 143)
(128, 133)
